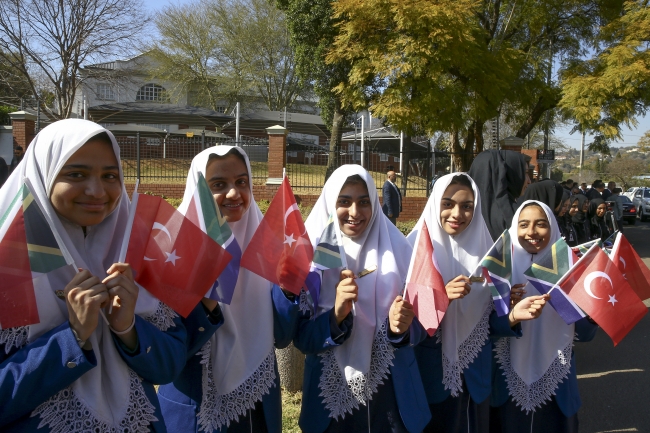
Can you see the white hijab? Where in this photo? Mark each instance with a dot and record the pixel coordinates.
(111, 392)
(464, 328)
(239, 359)
(348, 378)
(536, 363)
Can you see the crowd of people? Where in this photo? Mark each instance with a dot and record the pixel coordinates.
(370, 365)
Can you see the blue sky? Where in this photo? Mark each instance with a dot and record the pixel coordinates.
(630, 136)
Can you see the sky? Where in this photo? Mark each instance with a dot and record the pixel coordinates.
(630, 136)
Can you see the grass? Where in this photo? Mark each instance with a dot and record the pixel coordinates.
(290, 411)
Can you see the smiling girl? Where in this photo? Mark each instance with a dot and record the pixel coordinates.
(360, 370)
(232, 384)
(455, 363)
(535, 387)
(73, 371)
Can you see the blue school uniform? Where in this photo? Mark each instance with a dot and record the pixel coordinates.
(32, 374)
(181, 400)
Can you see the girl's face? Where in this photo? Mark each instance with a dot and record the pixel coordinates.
(564, 208)
(456, 209)
(88, 187)
(353, 209)
(585, 206)
(533, 229)
(230, 185)
(574, 208)
(601, 209)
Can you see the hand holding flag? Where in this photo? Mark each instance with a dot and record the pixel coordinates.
(497, 269)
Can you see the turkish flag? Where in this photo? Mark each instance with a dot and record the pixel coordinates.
(599, 288)
(171, 257)
(280, 250)
(631, 266)
(425, 288)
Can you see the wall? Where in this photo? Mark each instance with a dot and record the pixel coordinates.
(412, 207)
(6, 143)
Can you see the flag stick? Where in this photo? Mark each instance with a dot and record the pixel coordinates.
(127, 232)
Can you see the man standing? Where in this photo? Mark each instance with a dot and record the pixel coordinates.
(583, 188)
(18, 156)
(392, 198)
(596, 190)
(607, 192)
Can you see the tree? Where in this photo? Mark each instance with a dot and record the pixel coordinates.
(223, 51)
(313, 28)
(644, 142)
(612, 87)
(50, 40)
(625, 171)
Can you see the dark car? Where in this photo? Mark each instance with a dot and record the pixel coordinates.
(629, 211)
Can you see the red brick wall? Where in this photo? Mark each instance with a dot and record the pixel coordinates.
(412, 207)
(23, 132)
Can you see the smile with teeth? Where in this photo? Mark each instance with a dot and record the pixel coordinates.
(534, 241)
(352, 223)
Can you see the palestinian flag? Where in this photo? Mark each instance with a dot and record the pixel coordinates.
(204, 213)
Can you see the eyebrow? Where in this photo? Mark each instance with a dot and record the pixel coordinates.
(220, 178)
(450, 199)
(87, 167)
(538, 220)
(350, 197)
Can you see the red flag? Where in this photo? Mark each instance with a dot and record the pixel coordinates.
(425, 288)
(172, 258)
(280, 250)
(17, 297)
(599, 288)
(631, 266)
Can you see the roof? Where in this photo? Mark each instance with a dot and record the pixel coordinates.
(299, 123)
(151, 112)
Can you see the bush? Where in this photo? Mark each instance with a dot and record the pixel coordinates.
(406, 226)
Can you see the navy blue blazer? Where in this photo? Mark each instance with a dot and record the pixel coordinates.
(315, 336)
(567, 395)
(391, 199)
(34, 373)
(477, 376)
(181, 400)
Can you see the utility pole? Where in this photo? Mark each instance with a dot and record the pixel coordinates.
(582, 153)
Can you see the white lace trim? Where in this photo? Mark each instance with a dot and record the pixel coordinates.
(65, 413)
(13, 337)
(533, 396)
(341, 396)
(219, 410)
(163, 317)
(467, 352)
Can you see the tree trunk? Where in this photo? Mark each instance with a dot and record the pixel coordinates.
(335, 140)
(540, 108)
(291, 365)
(407, 163)
(463, 155)
(478, 135)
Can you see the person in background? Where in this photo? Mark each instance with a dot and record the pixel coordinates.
(583, 188)
(596, 215)
(392, 198)
(4, 171)
(596, 190)
(576, 190)
(618, 207)
(579, 219)
(18, 156)
(607, 192)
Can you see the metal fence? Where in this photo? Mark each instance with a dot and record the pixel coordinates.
(156, 160)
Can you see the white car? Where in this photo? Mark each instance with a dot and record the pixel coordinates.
(630, 192)
(641, 201)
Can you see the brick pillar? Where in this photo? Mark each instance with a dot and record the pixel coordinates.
(23, 124)
(277, 153)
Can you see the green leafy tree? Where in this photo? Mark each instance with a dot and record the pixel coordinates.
(625, 171)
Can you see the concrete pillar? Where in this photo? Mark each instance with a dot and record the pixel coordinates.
(277, 153)
(23, 124)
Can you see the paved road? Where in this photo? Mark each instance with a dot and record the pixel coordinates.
(615, 381)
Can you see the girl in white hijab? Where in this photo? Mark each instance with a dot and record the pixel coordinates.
(73, 371)
(232, 383)
(360, 370)
(536, 389)
(455, 363)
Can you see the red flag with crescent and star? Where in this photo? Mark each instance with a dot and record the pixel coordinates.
(631, 266)
(280, 250)
(171, 257)
(599, 288)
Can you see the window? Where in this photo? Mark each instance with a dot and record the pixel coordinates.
(152, 92)
(646, 193)
(395, 158)
(221, 109)
(383, 157)
(292, 154)
(105, 91)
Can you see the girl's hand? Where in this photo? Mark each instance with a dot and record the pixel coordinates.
(346, 294)
(516, 294)
(458, 288)
(85, 295)
(528, 309)
(123, 293)
(400, 315)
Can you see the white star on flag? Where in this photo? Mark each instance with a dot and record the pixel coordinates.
(172, 257)
(612, 299)
(289, 240)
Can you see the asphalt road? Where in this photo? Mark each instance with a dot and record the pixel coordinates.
(615, 381)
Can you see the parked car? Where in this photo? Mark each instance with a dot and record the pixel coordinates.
(630, 192)
(629, 211)
(641, 202)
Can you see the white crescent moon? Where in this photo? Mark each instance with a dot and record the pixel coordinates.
(592, 276)
(292, 208)
(624, 264)
(162, 228)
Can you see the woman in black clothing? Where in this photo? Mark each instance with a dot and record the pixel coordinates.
(580, 221)
(572, 234)
(597, 210)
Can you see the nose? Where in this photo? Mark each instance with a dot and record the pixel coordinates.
(233, 193)
(95, 187)
(455, 211)
(353, 210)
